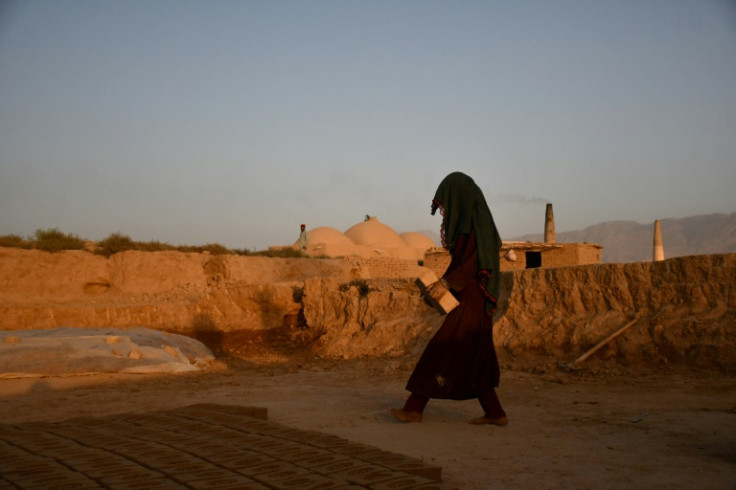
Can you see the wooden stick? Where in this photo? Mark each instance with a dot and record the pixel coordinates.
(606, 340)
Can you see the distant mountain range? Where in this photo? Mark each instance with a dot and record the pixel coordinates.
(629, 241)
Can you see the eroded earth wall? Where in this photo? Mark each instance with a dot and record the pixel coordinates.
(685, 307)
(685, 311)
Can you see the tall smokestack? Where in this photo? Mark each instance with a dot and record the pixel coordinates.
(658, 253)
(549, 225)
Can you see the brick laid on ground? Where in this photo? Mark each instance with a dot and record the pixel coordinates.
(200, 446)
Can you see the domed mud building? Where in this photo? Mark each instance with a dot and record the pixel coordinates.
(369, 238)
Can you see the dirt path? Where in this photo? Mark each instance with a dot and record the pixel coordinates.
(565, 431)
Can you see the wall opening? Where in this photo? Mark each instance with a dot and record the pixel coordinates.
(533, 260)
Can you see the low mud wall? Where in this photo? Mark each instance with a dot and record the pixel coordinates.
(172, 291)
(685, 312)
(258, 306)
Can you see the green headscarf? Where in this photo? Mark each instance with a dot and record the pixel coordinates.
(463, 209)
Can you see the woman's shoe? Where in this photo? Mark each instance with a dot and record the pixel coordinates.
(405, 415)
(485, 420)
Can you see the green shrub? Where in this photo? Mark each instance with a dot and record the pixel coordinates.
(117, 242)
(14, 241)
(152, 246)
(214, 249)
(52, 240)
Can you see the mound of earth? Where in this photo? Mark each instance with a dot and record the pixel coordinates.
(74, 351)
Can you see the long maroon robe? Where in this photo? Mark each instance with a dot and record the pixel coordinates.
(460, 361)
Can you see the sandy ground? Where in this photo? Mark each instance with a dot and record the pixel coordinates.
(667, 431)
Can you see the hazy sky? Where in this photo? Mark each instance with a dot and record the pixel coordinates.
(195, 122)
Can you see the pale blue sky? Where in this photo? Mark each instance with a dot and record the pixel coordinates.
(194, 122)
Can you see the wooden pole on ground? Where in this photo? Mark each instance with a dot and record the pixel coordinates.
(603, 342)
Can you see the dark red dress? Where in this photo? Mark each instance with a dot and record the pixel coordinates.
(460, 361)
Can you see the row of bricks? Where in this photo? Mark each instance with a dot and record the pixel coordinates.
(317, 453)
(283, 450)
(122, 471)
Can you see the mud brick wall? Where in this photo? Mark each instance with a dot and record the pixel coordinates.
(518, 265)
(391, 267)
(572, 254)
(437, 259)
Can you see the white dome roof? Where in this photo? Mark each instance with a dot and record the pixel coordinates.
(325, 234)
(417, 240)
(373, 233)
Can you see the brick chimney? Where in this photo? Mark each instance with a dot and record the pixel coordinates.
(658, 252)
(549, 225)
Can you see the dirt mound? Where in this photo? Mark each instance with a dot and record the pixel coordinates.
(74, 351)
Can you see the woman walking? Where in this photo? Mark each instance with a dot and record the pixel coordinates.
(460, 362)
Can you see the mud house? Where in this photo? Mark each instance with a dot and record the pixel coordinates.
(531, 255)
(368, 239)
